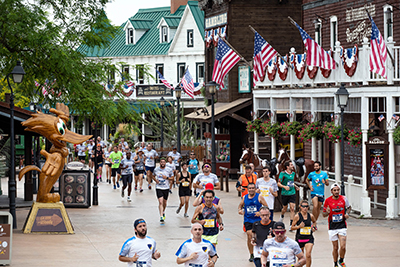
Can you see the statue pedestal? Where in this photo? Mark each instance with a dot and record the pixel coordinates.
(48, 218)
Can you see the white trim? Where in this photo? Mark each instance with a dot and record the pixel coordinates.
(385, 24)
(332, 21)
(179, 29)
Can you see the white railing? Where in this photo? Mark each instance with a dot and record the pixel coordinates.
(361, 76)
(354, 192)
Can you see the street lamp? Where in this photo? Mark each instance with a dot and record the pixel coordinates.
(178, 93)
(342, 96)
(33, 108)
(17, 75)
(212, 88)
(162, 103)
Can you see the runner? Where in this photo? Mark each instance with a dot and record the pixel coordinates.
(281, 250)
(197, 251)
(184, 179)
(123, 142)
(245, 179)
(288, 193)
(193, 167)
(170, 164)
(99, 159)
(200, 199)
(261, 231)
(126, 166)
(305, 224)
(139, 250)
(318, 180)
(253, 169)
(162, 176)
(208, 215)
(176, 156)
(249, 206)
(115, 159)
(268, 188)
(81, 152)
(204, 178)
(150, 164)
(139, 166)
(338, 208)
(108, 164)
(99, 141)
(91, 148)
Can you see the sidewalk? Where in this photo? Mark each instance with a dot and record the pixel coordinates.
(101, 230)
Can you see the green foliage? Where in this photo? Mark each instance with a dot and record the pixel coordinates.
(333, 132)
(310, 130)
(274, 130)
(290, 128)
(254, 126)
(20, 100)
(396, 136)
(354, 137)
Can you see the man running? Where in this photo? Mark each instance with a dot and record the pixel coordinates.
(150, 164)
(126, 166)
(338, 208)
(208, 215)
(281, 250)
(123, 142)
(197, 251)
(245, 179)
(318, 181)
(204, 178)
(162, 176)
(81, 152)
(286, 182)
(115, 158)
(268, 188)
(91, 148)
(139, 172)
(99, 160)
(249, 206)
(139, 250)
(261, 231)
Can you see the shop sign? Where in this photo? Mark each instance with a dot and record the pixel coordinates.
(152, 90)
(244, 79)
(217, 20)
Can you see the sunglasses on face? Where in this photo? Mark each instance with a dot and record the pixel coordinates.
(207, 166)
(191, 154)
(280, 232)
(306, 206)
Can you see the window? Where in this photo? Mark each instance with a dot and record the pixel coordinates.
(130, 39)
(388, 21)
(164, 34)
(318, 26)
(377, 104)
(200, 72)
(111, 77)
(140, 74)
(160, 68)
(333, 32)
(181, 71)
(189, 38)
(125, 72)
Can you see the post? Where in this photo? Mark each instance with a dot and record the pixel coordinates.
(213, 162)
(342, 153)
(95, 181)
(11, 180)
(178, 145)
(162, 127)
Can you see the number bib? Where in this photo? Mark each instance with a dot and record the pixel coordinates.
(290, 183)
(305, 231)
(251, 209)
(209, 223)
(141, 264)
(195, 265)
(265, 191)
(185, 184)
(337, 218)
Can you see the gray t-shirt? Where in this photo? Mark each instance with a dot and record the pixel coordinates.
(205, 179)
(265, 190)
(281, 253)
(159, 172)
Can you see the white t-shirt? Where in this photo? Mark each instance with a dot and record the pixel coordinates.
(159, 172)
(150, 162)
(205, 179)
(90, 149)
(170, 165)
(203, 249)
(107, 155)
(81, 150)
(175, 156)
(281, 253)
(265, 190)
(127, 163)
(145, 248)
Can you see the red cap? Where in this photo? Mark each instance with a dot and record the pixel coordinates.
(209, 186)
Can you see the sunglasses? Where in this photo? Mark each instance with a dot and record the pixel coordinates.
(191, 154)
(304, 206)
(207, 166)
(280, 232)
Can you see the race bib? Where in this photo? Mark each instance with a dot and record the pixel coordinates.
(141, 264)
(290, 183)
(195, 265)
(185, 184)
(251, 209)
(139, 168)
(116, 161)
(129, 169)
(209, 223)
(337, 218)
(305, 231)
(265, 192)
(277, 264)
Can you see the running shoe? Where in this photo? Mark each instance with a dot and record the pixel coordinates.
(141, 190)
(115, 187)
(122, 193)
(163, 216)
(149, 187)
(135, 187)
(161, 219)
(170, 191)
(342, 264)
(251, 258)
(128, 199)
(281, 219)
(101, 179)
(117, 184)
(186, 215)
(109, 181)
(178, 210)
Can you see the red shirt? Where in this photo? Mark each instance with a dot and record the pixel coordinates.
(337, 219)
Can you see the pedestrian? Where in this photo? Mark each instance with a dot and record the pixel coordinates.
(108, 164)
(305, 224)
(139, 169)
(249, 207)
(139, 250)
(150, 163)
(316, 181)
(253, 169)
(90, 149)
(184, 180)
(170, 164)
(81, 152)
(204, 178)
(115, 158)
(245, 179)
(99, 141)
(337, 208)
(162, 176)
(261, 231)
(176, 156)
(193, 167)
(126, 166)
(268, 188)
(281, 250)
(99, 159)
(288, 193)
(200, 199)
(208, 216)
(123, 142)
(197, 251)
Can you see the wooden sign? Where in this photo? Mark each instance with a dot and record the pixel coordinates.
(152, 90)
(377, 163)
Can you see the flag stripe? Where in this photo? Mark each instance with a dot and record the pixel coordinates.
(225, 60)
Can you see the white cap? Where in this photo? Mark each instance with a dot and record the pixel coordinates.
(334, 185)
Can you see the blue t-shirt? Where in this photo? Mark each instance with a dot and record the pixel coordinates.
(195, 168)
(318, 182)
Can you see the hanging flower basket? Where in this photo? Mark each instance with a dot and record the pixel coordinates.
(273, 130)
(310, 130)
(332, 132)
(290, 128)
(354, 137)
(396, 136)
(254, 126)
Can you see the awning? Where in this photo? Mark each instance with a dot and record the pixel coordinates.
(221, 110)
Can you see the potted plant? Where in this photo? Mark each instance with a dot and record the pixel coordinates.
(274, 130)
(290, 128)
(310, 130)
(354, 137)
(254, 126)
(332, 132)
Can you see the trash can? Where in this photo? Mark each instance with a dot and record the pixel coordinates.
(6, 221)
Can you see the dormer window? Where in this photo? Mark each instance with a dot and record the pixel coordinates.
(130, 37)
(164, 34)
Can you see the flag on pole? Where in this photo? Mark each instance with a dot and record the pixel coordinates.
(224, 61)
(395, 117)
(331, 116)
(316, 55)
(381, 118)
(288, 115)
(164, 81)
(37, 84)
(378, 54)
(187, 84)
(263, 53)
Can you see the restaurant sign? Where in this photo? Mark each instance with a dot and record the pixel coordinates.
(152, 90)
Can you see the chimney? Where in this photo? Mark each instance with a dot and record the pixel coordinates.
(175, 4)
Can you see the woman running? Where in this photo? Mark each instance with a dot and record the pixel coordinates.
(139, 159)
(170, 164)
(184, 180)
(108, 164)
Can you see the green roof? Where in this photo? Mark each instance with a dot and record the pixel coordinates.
(149, 44)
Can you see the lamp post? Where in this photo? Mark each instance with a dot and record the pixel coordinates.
(212, 88)
(178, 93)
(342, 96)
(17, 75)
(33, 108)
(162, 103)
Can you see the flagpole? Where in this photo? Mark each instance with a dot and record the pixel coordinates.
(277, 53)
(241, 57)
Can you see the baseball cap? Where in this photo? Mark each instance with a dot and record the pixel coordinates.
(137, 222)
(279, 225)
(98, 144)
(209, 186)
(174, 148)
(334, 185)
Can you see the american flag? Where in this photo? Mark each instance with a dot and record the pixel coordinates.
(263, 53)
(378, 54)
(164, 81)
(316, 55)
(395, 117)
(130, 83)
(287, 115)
(37, 84)
(224, 61)
(381, 118)
(331, 116)
(197, 88)
(187, 84)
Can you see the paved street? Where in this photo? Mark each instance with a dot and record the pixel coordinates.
(101, 230)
